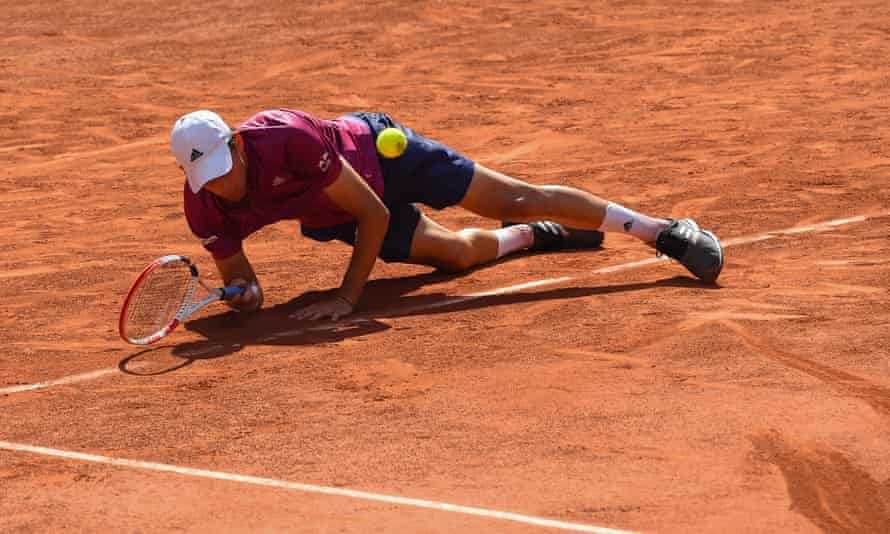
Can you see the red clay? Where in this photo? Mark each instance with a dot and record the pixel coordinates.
(636, 400)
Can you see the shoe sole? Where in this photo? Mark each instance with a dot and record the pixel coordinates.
(584, 239)
(576, 239)
(720, 249)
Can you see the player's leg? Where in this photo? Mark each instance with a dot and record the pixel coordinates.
(497, 196)
(431, 173)
(434, 245)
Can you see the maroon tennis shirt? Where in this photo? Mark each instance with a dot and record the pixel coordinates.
(291, 158)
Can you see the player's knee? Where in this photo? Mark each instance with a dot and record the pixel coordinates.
(461, 255)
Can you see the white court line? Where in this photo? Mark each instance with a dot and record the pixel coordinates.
(311, 488)
(450, 301)
(59, 381)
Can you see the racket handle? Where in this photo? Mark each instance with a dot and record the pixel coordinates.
(230, 292)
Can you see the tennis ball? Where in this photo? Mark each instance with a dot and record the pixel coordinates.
(391, 143)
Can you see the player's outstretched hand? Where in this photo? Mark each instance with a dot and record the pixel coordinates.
(332, 306)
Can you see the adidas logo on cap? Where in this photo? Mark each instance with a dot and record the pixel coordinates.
(196, 154)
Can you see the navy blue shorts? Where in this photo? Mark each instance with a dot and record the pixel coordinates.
(428, 173)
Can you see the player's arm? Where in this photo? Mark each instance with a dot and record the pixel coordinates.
(354, 196)
(236, 270)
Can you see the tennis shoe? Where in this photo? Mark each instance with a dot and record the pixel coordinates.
(698, 250)
(551, 236)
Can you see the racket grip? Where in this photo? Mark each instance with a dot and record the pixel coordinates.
(230, 292)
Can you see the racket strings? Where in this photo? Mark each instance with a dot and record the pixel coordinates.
(159, 298)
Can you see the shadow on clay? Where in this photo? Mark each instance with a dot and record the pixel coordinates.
(133, 364)
(230, 332)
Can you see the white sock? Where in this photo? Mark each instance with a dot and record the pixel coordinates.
(513, 238)
(626, 221)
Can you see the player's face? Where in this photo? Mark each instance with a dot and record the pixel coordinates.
(231, 186)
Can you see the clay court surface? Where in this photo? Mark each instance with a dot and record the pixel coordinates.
(549, 386)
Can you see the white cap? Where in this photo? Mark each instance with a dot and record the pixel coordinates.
(200, 143)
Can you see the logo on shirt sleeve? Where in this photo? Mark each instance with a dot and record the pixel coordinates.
(209, 240)
(325, 162)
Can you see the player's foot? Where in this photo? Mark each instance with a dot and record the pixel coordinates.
(698, 250)
(551, 236)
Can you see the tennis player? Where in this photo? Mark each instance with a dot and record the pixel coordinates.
(286, 164)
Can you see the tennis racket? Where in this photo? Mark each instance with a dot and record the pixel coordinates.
(164, 295)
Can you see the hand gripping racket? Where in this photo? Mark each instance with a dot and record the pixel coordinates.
(164, 295)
